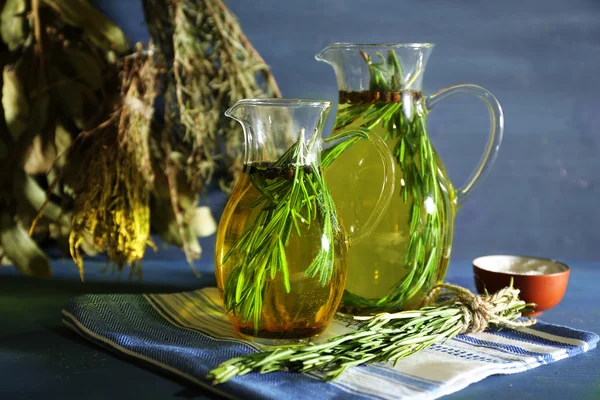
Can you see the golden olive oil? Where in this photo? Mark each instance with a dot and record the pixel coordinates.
(308, 307)
(377, 263)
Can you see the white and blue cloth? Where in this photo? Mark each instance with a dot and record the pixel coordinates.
(188, 334)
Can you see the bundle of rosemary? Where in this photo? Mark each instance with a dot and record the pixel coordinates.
(447, 312)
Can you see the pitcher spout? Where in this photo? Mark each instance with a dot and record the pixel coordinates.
(272, 126)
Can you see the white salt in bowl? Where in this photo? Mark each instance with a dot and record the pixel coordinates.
(541, 281)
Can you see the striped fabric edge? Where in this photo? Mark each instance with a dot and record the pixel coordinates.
(412, 385)
(72, 323)
(91, 311)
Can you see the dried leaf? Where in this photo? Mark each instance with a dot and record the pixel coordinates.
(204, 223)
(40, 156)
(85, 67)
(27, 191)
(22, 249)
(13, 23)
(39, 102)
(14, 103)
(101, 31)
(62, 142)
(68, 96)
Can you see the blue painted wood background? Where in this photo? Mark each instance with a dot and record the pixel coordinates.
(541, 59)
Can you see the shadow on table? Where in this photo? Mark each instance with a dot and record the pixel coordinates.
(188, 391)
(165, 270)
(24, 286)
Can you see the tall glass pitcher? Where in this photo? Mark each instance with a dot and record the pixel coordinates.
(380, 91)
(281, 250)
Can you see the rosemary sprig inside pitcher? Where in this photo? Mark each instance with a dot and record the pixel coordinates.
(291, 192)
(400, 111)
(449, 311)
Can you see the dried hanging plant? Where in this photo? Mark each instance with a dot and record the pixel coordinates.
(212, 74)
(95, 165)
(58, 79)
(112, 205)
(209, 65)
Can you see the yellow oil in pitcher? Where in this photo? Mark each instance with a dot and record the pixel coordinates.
(380, 89)
(308, 307)
(378, 264)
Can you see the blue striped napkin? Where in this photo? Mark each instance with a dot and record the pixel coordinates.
(188, 334)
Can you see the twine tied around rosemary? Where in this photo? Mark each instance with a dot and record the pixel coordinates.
(478, 310)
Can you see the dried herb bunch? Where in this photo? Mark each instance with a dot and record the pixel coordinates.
(59, 75)
(112, 205)
(209, 65)
(89, 159)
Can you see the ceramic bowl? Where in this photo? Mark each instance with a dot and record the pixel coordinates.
(541, 281)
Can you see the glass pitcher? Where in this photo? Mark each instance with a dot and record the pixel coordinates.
(380, 91)
(281, 251)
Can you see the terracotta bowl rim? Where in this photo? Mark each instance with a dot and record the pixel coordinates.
(566, 268)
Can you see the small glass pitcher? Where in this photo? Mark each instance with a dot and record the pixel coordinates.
(281, 250)
(380, 91)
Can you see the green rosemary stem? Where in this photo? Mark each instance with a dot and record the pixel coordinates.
(415, 155)
(285, 204)
(449, 311)
(416, 158)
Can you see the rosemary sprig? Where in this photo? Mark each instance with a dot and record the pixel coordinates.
(414, 153)
(449, 311)
(285, 204)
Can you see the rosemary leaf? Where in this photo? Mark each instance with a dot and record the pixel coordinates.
(422, 179)
(286, 205)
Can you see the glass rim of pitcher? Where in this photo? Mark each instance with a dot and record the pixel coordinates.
(349, 45)
(407, 44)
(281, 101)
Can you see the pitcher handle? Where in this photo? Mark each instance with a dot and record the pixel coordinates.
(348, 138)
(495, 136)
